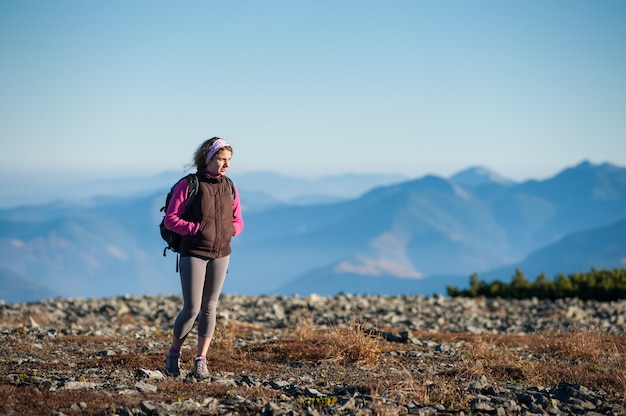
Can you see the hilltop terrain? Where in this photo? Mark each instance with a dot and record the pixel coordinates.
(351, 355)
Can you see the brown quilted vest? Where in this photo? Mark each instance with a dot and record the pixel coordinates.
(213, 208)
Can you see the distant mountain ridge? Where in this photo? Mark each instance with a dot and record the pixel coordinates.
(479, 175)
(602, 247)
(434, 227)
(411, 235)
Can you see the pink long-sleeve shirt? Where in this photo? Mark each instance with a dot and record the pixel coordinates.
(176, 209)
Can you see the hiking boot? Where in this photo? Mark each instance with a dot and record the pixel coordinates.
(172, 364)
(200, 369)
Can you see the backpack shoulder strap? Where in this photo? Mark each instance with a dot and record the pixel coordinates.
(192, 188)
(232, 187)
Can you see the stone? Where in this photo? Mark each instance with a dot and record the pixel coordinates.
(142, 386)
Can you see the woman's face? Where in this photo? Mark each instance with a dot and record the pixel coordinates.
(220, 162)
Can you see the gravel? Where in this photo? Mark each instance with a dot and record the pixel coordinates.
(106, 356)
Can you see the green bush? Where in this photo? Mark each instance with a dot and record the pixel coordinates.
(603, 285)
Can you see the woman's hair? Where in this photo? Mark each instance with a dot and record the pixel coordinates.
(199, 158)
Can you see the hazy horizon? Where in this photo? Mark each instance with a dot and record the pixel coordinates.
(19, 189)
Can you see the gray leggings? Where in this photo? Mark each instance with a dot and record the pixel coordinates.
(201, 281)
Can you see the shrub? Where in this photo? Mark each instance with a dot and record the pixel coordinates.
(602, 285)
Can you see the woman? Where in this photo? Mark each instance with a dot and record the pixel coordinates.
(206, 226)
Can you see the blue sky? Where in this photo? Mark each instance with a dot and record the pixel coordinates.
(312, 88)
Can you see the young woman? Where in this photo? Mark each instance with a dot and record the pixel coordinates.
(206, 226)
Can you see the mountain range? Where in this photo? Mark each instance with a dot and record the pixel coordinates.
(353, 234)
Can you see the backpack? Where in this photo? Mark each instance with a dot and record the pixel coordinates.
(172, 238)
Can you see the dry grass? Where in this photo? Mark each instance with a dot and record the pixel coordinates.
(350, 358)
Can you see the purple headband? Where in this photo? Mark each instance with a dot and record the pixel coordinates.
(215, 147)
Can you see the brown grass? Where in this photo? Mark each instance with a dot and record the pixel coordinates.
(349, 357)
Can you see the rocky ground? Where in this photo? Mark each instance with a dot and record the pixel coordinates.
(349, 355)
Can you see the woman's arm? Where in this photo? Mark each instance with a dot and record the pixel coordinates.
(237, 218)
(176, 209)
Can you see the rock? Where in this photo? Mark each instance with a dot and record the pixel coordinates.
(76, 385)
(142, 386)
(149, 374)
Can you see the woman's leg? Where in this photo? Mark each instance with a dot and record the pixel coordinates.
(216, 270)
(192, 280)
